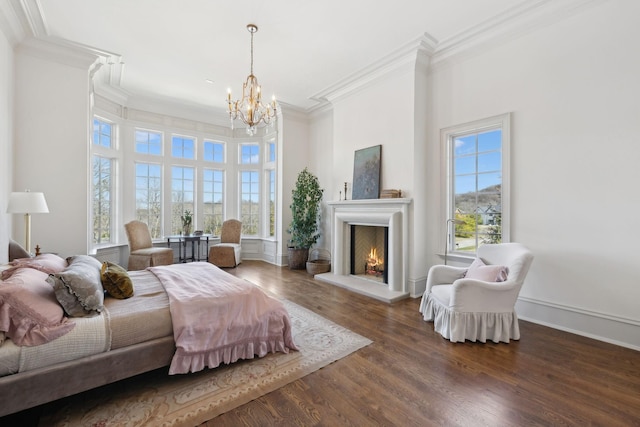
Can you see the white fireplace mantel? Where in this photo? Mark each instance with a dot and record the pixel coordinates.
(391, 213)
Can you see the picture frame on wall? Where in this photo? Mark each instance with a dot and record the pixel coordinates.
(366, 173)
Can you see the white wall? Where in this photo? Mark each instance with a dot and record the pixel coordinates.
(6, 139)
(390, 111)
(293, 157)
(380, 114)
(321, 149)
(51, 145)
(573, 88)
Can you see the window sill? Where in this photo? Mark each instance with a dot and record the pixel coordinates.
(465, 259)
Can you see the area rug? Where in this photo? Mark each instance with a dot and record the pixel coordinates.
(157, 399)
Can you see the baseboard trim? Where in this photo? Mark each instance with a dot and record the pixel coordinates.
(604, 327)
(417, 287)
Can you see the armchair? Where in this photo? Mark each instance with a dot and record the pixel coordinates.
(464, 308)
(227, 253)
(142, 254)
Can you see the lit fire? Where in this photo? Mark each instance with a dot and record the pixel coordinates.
(374, 264)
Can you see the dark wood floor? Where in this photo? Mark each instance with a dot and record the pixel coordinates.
(411, 376)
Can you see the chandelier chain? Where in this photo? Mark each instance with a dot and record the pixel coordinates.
(252, 50)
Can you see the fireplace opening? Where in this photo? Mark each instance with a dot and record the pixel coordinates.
(369, 246)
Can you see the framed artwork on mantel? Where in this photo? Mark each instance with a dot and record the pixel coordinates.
(366, 173)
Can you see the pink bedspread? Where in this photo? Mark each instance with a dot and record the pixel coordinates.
(219, 318)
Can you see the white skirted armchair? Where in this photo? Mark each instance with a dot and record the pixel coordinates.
(477, 303)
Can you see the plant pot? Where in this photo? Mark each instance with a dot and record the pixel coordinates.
(298, 258)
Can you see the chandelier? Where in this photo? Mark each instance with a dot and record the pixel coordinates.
(250, 108)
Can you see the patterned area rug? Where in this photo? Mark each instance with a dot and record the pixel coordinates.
(186, 400)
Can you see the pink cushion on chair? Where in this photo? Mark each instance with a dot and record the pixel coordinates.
(487, 273)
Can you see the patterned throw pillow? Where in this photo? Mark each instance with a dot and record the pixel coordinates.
(78, 288)
(116, 281)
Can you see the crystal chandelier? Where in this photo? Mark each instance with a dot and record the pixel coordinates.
(250, 108)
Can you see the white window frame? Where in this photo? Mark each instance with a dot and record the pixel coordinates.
(269, 167)
(447, 135)
(127, 157)
(253, 166)
(112, 153)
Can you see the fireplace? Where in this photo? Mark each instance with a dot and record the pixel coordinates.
(392, 216)
(369, 245)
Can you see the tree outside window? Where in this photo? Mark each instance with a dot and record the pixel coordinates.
(478, 177)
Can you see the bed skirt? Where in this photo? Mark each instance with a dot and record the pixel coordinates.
(458, 327)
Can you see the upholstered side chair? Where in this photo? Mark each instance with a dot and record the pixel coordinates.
(227, 253)
(142, 253)
(476, 309)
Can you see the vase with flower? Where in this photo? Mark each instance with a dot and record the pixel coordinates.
(187, 220)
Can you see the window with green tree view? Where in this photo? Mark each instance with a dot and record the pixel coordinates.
(477, 183)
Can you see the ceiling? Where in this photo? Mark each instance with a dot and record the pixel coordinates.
(171, 48)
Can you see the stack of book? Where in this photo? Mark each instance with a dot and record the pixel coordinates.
(390, 194)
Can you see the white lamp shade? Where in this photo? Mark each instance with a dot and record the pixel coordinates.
(27, 202)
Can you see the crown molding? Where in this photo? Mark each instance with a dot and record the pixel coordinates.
(428, 53)
(20, 19)
(519, 20)
(57, 50)
(291, 112)
(177, 108)
(26, 28)
(10, 23)
(418, 49)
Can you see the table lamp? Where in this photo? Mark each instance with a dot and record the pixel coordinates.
(28, 203)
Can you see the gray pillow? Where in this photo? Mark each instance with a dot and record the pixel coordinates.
(78, 287)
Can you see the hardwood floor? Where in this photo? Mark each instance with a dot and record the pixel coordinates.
(411, 376)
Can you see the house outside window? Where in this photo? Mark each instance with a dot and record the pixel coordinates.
(477, 159)
(103, 169)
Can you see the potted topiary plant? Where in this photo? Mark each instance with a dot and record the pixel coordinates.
(305, 218)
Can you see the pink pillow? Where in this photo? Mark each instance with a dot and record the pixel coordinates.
(29, 312)
(49, 263)
(487, 273)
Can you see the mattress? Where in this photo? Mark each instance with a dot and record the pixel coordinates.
(143, 317)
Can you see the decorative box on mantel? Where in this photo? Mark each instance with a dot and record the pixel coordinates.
(392, 213)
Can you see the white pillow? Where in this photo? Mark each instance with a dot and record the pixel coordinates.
(487, 273)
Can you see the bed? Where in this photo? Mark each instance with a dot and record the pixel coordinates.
(187, 317)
